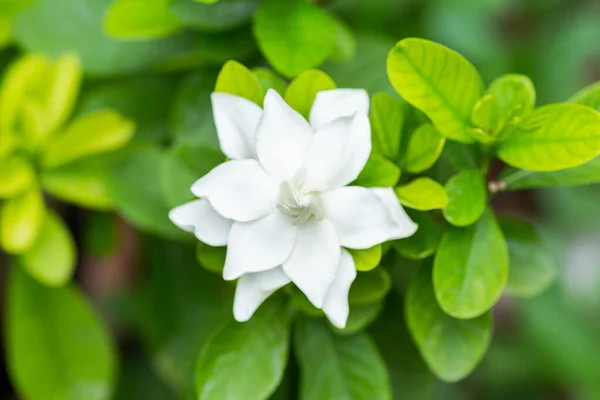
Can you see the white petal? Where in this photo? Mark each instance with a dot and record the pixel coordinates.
(239, 190)
(253, 289)
(362, 218)
(336, 302)
(338, 103)
(314, 260)
(259, 245)
(405, 226)
(236, 119)
(199, 217)
(282, 137)
(338, 153)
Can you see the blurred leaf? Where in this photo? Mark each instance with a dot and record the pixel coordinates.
(221, 16)
(5, 32)
(101, 236)
(211, 258)
(10, 8)
(532, 268)
(387, 119)
(424, 148)
(378, 172)
(140, 19)
(17, 175)
(370, 287)
(236, 79)
(270, 80)
(589, 96)
(94, 133)
(21, 220)
(367, 259)
(553, 137)
(426, 75)
(294, 35)
(246, 361)
(57, 346)
(338, 367)
(302, 90)
(360, 317)
(51, 259)
(345, 48)
(137, 381)
(424, 242)
(422, 194)
(466, 198)
(452, 348)
(471, 268)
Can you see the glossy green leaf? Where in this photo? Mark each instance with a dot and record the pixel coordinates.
(294, 35)
(424, 148)
(369, 287)
(367, 259)
(584, 174)
(387, 120)
(21, 220)
(553, 137)
(246, 361)
(532, 268)
(451, 347)
(270, 80)
(426, 74)
(214, 16)
(466, 198)
(424, 242)
(94, 133)
(57, 347)
(422, 194)
(360, 317)
(51, 259)
(589, 96)
(471, 268)
(140, 19)
(17, 175)
(236, 79)
(211, 258)
(302, 90)
(338, 367)
(378, 172)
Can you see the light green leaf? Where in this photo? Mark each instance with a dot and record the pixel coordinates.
(553, 137)
(439, 82)
(467, 198)
(270, 80)
(140, 19)
(94, 133)
(378, 172)
(424, 148)
(589, 96)
(10, 8)
(387, 120)
(17, 175)
(302, 90)
(422, 194)
(584, 174)
(246, 361)
(370, 287)
(210, 17)
(345, 47)
(532, 268)
(294, 35)
(360, 317)
(211, 258)
(338, 367)
(236, 79)
(367, 259)
(471, 268)
(424, 242)
(57, 348)
(5, 32)
(21, 220)
(451, 347)
(51, 259)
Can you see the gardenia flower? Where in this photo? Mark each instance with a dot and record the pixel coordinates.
(281, 203)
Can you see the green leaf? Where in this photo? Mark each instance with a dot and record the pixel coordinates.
(424, 148)
(471, 268)
(51, 259)
(422, 194)
(140, 19)
(370, 287)
(360, 317)
(138, 381)
(57, 347)
(387, 120)
(345, 47)
(270, 80)
(451, 347)
(424, 242)
(17, 175)
(211, 258)
(246, 361)
(466, 198)
(94, 133)
(532, 268)
(10, 8)
(378, 172)
(222, 16)
(236, 79)
(338, 367)
(21, 220)
(294, 35)
(553, 137)
(367, 259)
(302, 90)
(584, 174)
(589, 96)
(439, 82)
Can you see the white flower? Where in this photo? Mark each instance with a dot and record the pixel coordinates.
(281, 204)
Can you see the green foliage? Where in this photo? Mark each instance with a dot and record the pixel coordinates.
(140, 19)
(590, 96)
(424, 242)
(370, 287)
(378, 172)
(302, 90)
(422, 194)
(211, 258)
(367, 259)
(270, 80)
(466, 198)
(21, 220)
(236, 79)
(424, 148)
(213, 16)
(387, 119)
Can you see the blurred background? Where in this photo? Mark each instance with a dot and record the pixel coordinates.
(544, 348)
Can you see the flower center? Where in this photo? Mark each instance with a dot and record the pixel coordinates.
(300, 204)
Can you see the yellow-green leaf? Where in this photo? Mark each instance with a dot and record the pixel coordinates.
(16, 175)
(589, 96)
(236, 79)
(270, 80)
(140, 19)
(378, 172)
(21, 219)
(422, 194)
(387, 119)
(424, 148)
(5, 32)
(367, 259)
(467, 196)
(301, 92)
(438, 81)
